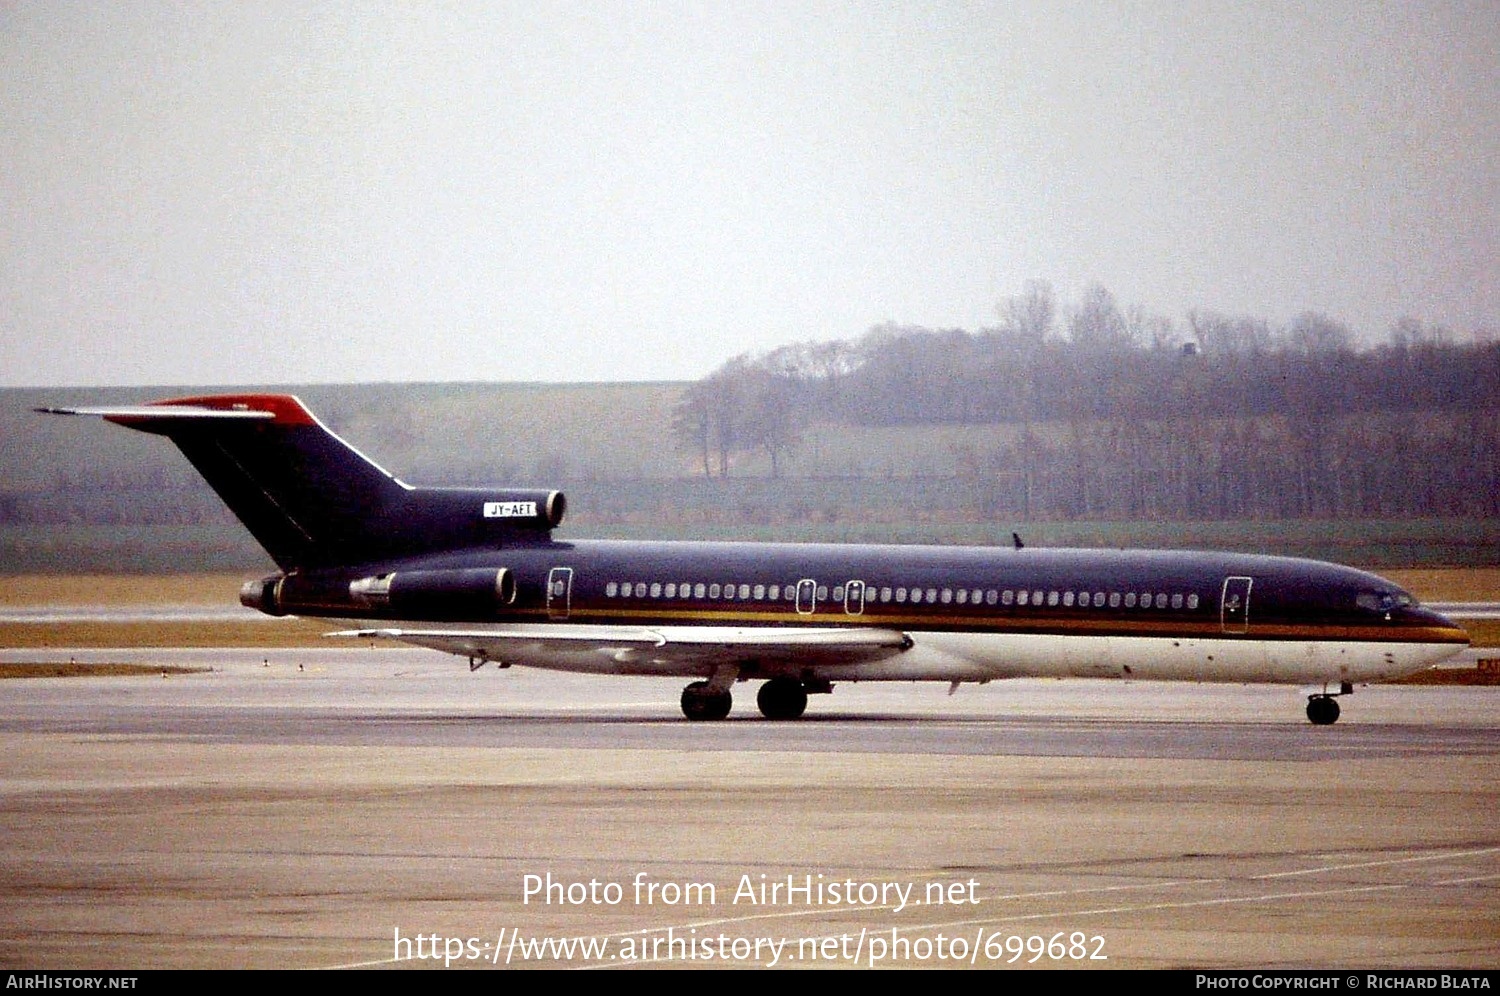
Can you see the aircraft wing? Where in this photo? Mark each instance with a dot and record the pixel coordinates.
(663, 646)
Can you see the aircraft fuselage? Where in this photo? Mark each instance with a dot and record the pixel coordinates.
(970, 614)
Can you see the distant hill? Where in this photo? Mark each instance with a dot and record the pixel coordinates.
(78, 496)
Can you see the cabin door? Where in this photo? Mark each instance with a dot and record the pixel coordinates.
(1234, 609)
(807, 596)
(854, 598)
(559, 592)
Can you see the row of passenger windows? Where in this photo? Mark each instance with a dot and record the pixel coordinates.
(914, 596)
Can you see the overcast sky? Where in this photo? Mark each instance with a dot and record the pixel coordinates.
(233, 193)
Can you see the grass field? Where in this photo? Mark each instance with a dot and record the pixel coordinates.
(120, 590)
(72, 670)
(271, 633)
(1469, 584)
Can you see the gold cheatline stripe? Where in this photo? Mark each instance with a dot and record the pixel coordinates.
(991, 625)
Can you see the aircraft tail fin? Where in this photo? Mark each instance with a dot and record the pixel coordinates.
(312, 500)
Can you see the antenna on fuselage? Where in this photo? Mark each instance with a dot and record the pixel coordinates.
(1016, 539)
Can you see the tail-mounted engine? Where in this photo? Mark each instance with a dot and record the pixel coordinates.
(437, 594)
(465, 593)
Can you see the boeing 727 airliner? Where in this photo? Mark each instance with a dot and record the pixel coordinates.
(477, 572)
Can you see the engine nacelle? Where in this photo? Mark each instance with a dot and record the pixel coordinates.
(531, 509)
(263, 595)
(437, 594)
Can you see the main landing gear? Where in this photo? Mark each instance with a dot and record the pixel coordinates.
(782, 698)
(701, 701)
(779, 698)
(1323, 708)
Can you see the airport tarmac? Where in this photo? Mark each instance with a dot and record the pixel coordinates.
(369, 806)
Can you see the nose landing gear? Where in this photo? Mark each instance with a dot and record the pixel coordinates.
(1323, 708)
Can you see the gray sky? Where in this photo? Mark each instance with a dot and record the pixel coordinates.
(227, 193)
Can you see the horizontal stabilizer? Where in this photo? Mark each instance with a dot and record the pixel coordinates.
(161, 412)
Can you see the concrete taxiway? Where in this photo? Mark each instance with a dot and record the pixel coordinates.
(322, 808)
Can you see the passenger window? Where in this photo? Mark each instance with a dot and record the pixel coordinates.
(822, 593)
(947, 596)
(900, 594)
(1177, 600)
(1161, 600)
(963, 596)
(744, 591)
(699, 590)
(760, 592)
(1052, 598)
(1114, 599)
(991, 596)
(1130, 599)
(611, 589)
(1023, 598)
(838, 593)
(1068, 598)
(1008, 597)
(713, 591)
(656, 589)
(671, 591)
(1192, 601)
(885, 594)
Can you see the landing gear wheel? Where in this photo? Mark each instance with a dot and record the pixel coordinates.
(1322, 710)
(699, 702)
(782, 698)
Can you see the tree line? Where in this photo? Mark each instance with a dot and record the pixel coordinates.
(1117, 412)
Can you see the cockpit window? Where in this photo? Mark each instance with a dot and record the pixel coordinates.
(1384, 601)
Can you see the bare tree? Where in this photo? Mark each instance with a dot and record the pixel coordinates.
(1096, 321)
(692, 422)
(747, 404)
(1224, 334)
(1314, 332)
(1030, 317)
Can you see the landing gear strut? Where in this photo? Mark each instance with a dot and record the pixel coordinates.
(782, 698)
(1323, 708)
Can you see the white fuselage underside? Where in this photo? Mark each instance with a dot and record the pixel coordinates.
(951, 656)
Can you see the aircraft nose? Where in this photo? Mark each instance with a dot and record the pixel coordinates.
(1434, 627)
